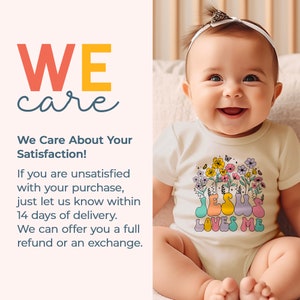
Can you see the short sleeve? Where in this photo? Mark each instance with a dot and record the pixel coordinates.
(289, 161)
(165, 157)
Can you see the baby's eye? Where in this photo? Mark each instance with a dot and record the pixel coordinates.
(215, 77)
(251, 77)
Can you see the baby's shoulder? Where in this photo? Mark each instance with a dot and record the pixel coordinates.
(280, 130)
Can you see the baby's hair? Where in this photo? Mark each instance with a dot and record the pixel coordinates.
(208, 14)
(213, 15)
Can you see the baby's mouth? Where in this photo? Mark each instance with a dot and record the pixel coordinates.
(232, 111)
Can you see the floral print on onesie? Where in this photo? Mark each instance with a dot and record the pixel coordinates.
(230, 196)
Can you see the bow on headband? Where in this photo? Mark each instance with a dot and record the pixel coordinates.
(220, 18)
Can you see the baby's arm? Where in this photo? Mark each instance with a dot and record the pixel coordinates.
(290, 201)
(161, 194)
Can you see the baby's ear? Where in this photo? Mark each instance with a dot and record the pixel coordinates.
(277, 91)
(186, 89)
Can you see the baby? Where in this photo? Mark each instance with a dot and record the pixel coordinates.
(229, 171)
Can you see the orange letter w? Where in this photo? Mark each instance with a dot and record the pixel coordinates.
(46, 58)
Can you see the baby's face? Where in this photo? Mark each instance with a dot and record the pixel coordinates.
(230, 81)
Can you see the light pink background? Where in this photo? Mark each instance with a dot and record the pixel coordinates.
(35, 273)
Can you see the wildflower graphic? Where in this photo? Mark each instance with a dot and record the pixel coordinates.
(240, 187)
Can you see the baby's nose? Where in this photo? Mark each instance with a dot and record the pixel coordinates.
(232, 90)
